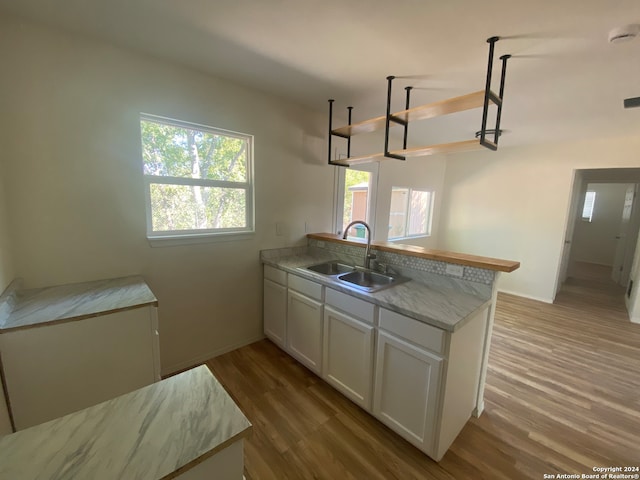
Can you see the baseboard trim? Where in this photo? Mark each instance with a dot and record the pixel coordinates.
(478, 410)
(530, 297)
(200, 359)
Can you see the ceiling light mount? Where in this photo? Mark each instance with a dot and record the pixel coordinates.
(624, 33)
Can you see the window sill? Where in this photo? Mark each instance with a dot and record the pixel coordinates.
(413, 237)
(178, 240)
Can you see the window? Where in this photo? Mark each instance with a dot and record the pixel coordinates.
(410, 213)
(589, 204)
(198, 179)
(356, 198)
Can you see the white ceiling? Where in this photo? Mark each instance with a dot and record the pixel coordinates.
(565, 81)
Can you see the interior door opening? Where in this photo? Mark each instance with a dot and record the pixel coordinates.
(602, 228)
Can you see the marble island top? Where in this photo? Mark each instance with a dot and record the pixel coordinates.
(49, 305)
(148, 434)
(442, 302)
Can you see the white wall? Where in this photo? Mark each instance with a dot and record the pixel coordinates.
(75, 189)
(595, 241)
(426, 173)
(513, 204)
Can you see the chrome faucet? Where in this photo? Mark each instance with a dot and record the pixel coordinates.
(367, 255)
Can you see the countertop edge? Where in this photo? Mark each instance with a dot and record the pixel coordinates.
(469, 260)
(15, 299)
(58, 321)
(421, 317)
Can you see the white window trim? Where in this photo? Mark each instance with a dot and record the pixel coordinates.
(372, 168)
(588, 204)
(181, 237)
(430, 218)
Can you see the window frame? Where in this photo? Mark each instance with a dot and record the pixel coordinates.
(588, 204)
(407, 215)
(175, 237)
(373, 169)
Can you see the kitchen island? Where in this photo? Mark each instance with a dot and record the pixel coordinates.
(67, 347)
(186, 426)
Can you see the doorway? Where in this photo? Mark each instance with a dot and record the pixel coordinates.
(602, 230)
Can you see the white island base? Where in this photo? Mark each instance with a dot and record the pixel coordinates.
(186, 427)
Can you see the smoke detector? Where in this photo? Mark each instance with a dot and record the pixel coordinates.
(624, 34)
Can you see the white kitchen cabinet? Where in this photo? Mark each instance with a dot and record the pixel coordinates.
(53, 370)
(304, 321)
(348, 355)
(407, 389)
(420, 380)
(275, 310)
(304, 330)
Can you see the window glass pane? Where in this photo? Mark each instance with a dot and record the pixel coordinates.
(183, 207)
(398, 212)
(169, 150)
(589, 203)
(419, 210)
(356, 200)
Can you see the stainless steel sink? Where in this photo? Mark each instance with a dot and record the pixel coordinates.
(331, 268)
(371, 281)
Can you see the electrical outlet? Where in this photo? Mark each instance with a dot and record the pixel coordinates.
(454, 270)
(280, 228)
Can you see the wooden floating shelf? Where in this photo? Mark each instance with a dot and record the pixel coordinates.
(453, 147)
(376, 157)
(443, 107)
(366, 126)
(422, 112)
(480, 99)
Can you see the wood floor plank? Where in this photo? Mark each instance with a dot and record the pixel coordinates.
(562, 396)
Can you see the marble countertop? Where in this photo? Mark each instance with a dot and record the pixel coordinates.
(442, 302)
(147, 434)
(45, 306)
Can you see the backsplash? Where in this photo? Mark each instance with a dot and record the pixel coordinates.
(355, 254)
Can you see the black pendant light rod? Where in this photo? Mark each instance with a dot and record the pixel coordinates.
(504, 59)
(406, 125)
(487, 92)
(390, 118)
(349, 139)
(331, 100)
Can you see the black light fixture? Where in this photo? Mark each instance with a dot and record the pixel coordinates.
(489, 132)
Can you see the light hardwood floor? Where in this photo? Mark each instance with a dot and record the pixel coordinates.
(562, 396)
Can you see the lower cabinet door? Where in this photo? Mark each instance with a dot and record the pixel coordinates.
(275, 312)
(304, 330)
(348, 356)
(407, 386)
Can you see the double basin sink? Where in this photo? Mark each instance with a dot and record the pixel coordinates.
(359, 278)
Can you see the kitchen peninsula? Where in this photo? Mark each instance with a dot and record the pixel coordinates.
(414, 355)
